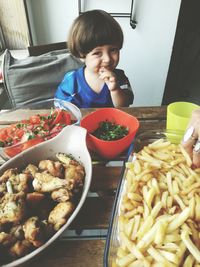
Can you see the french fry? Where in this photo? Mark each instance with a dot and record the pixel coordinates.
(124, 261)
(186, 156)
(149, 196)
(145, 227)
(189, 261)
(159, 144)
(190, 245)
(169, 182)
(172, 257)
(179, 202)
(158, 256)
(197, 208)
(156, 209)
(169, 247)
(179, 220)
(129, 227)
(137, 167)
(135, 227)
(160, 233)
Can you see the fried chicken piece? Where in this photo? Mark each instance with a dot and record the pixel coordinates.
(45, 182)
(4, 178)
(33, 231)
(20, 248)
(63, 158)
(7, 174)
(31, 169)
(18, 181)
(60, 214)
(17, 232)
(39, 204)
(12, 207)
(47, 228)
(6, 239)
(74, 172)
(34, 198)
(61, 195)
(55, 168)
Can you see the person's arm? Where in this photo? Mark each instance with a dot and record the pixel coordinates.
(191, 139)
(120, 97)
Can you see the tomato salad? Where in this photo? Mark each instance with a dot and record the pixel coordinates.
(38, 128)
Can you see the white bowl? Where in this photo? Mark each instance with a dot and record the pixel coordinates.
(71, 140)
(30, 108)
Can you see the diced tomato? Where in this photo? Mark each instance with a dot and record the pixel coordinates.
(46, 127)
(3, 134)
(56, 129)
(13, 151)
(30, 127)
(35, 119)
(11, 131)
(66, 118)
(58, 116)
(32, 142)
(24, 121)
(19, 133)
(62, 117)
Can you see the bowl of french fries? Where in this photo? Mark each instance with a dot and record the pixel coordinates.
(156, 214)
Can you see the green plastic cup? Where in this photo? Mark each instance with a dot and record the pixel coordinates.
(178, 116)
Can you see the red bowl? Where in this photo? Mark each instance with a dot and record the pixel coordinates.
(109, 149)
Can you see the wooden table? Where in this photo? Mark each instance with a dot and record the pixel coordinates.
(96, 211)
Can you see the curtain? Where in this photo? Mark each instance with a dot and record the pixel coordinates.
(14, 33)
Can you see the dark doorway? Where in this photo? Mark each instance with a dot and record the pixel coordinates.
(183, 80)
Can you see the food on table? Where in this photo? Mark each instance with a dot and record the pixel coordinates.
(36, 202)
(38, 128)
(159, 213)
(110, 131)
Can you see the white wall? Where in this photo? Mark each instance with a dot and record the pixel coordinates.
(147, 49)
(51, 19)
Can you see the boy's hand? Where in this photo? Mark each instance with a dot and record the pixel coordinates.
(109, 78)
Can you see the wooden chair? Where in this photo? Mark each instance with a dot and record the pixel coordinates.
(42, 49)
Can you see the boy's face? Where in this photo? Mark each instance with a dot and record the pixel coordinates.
(106, 56)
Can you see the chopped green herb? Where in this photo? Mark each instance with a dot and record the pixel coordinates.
(109, 131)
(2, 144)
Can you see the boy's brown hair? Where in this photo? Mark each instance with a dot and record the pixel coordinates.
(91, 29)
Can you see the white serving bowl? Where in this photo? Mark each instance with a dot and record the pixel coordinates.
(71, 140)
(27, 111)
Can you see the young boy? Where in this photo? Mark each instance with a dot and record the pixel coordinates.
(96, 38)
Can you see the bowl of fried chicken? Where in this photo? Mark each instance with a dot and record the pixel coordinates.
(42, 189)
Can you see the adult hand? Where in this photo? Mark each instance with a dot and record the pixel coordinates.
(191, 139)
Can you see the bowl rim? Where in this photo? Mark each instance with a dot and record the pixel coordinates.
(118, 111)
(40, 101)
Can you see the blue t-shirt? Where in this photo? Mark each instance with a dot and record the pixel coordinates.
(75, 89)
